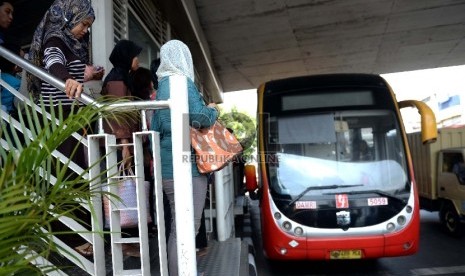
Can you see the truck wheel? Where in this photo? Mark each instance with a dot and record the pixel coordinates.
(451, 220)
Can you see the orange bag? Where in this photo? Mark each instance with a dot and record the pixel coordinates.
(214, 147)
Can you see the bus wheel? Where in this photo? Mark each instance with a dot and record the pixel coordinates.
(451, 220)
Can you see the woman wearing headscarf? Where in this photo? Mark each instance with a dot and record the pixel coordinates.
(116, 84)
(61, 45)
(176, 59)
(124, 58)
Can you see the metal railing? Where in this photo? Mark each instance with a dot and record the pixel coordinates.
(181, 170)
(186, 240)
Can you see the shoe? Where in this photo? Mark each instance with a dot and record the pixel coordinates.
(85, 250)
(131, 250)
(202, 252)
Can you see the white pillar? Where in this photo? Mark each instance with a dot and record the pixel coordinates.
(102, 33)
(182, 176)
(221, 208)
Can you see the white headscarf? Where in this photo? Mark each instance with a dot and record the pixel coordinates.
(175, 59)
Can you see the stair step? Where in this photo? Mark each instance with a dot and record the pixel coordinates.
(128, 240)
(131, 272)
(125, 209)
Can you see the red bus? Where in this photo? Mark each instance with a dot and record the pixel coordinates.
(335, 176)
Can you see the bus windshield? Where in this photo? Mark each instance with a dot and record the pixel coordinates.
(346, 151)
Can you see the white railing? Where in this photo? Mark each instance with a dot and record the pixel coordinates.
(187, 263)
(182, 178)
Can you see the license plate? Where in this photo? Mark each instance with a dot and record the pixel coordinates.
(345, 254)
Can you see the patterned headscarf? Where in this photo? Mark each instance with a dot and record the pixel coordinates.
(175, 59)
(58, 21)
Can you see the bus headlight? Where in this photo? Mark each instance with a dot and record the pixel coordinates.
(298, 231)
(277, 216)
(390, 227)
(287, 225)
(409, 209)
(401, 220)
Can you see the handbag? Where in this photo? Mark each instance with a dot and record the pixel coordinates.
(128, 195)
(214, 147)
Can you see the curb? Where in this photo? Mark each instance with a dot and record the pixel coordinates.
(247, 238)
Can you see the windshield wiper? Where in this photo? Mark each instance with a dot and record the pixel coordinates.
(378, 192)
(313, 188)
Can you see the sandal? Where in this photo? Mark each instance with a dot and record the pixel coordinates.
(131, 250)
(85, 250)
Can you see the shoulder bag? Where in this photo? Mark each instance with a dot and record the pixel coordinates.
(214, 147)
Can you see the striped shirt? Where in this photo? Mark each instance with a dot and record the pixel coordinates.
(63, 64)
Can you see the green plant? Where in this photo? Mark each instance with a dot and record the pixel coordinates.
(244, 128)
(28, 202)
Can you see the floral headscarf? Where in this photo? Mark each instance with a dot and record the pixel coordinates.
(58, 21)
(175, 59)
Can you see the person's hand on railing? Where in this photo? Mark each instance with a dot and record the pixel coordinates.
(73, 88)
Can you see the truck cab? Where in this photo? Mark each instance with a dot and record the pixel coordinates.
(451, 189)
(437, 168)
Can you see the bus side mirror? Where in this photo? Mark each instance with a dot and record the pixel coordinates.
(250, 178)
(429, 130)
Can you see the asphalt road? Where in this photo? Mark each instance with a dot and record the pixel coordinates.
(439, 254)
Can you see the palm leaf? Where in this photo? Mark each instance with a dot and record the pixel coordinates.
(29, 202)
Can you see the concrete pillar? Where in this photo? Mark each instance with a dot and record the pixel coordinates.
(102, 33)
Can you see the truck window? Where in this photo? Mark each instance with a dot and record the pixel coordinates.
(453, 163)
(448, 161)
